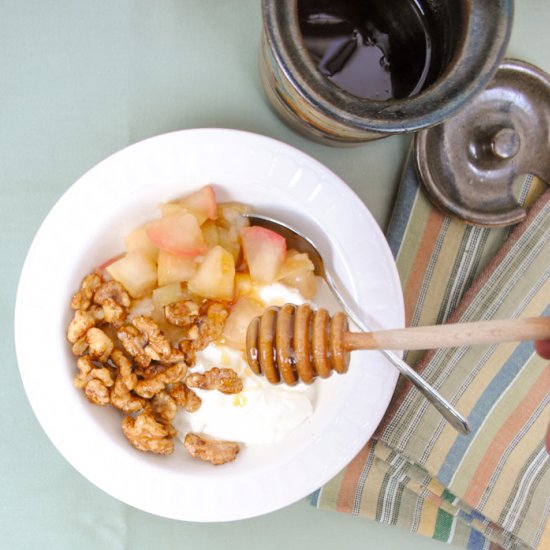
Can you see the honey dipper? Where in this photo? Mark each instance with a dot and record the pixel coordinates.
(293, 343)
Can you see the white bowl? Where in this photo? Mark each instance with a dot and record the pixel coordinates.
(87, 226)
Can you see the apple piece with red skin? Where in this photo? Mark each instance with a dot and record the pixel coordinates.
(178, 233)
(138, 240)
(215, 276)
(202, 203)
(264, 252)
(107, 263)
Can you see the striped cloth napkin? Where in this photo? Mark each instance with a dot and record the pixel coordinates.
(490, 489)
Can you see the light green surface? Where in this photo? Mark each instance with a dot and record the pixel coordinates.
(79, 81)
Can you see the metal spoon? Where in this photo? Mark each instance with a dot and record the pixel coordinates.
(301, 243)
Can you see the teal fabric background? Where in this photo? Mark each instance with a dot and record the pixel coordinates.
(79, 81)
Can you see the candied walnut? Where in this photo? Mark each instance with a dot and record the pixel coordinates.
(216, 452)
(125, 369)
(113, 313)
(224, 380)
(169, 375)
(122, 398)
(100, 345)
(164, 407)
(211, 326)
(83, 298)
(88, 371)
(80, 346)
(148, 435)
(97, 313)
(208, 329)
(112, 290)
(188, 351)
(85, 366)
(96, 392)
(185, 397)
(182, 314)
(134, 343)
(79, 326)
(145, 342)
(103, 375)
(158, 347)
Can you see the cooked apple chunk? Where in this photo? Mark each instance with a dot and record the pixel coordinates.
(215, 276)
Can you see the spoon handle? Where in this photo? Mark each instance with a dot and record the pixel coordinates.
(451, 335)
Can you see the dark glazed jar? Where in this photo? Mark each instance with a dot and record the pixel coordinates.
(350, 71)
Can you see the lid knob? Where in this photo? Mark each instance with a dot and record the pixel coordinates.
(505, 143)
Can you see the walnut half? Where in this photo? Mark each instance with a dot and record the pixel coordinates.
(211, 450)
(148, 435)
(224, 380)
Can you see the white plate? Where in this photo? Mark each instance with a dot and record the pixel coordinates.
(87, 226)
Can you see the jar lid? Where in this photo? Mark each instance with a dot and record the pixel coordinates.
(469, 163)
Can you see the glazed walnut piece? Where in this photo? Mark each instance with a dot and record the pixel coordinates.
(79, 326)
(164, 407)
(164, 376)
(125, 369)
(134, 343)
(84, 297)
(145, 342)
(121, 396)
(95, 381)
(208, 328)
(112, 290)
(216, 452)
(96, 392)
(185, 397)
(182, 314)
(148, 435)
(99, 344)
(158, 347)
(224, 380)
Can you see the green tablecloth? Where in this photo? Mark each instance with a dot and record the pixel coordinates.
(79, 81)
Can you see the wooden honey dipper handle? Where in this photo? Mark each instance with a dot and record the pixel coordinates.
(294, 343)
(451, 335)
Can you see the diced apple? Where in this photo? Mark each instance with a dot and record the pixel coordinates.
(236, 325)
(294, 263)
(202, 203)
(305, 281)
(243, 284)
(168, 208)
(168, 294)
(231, 245)
(138, 240)
(210, 233)
(108, 262)
(174, 269)
(229, 212)
(215, 276)
(178, 233)
(298, 271)
(136, 272)
(264, 252)
(230, 217)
